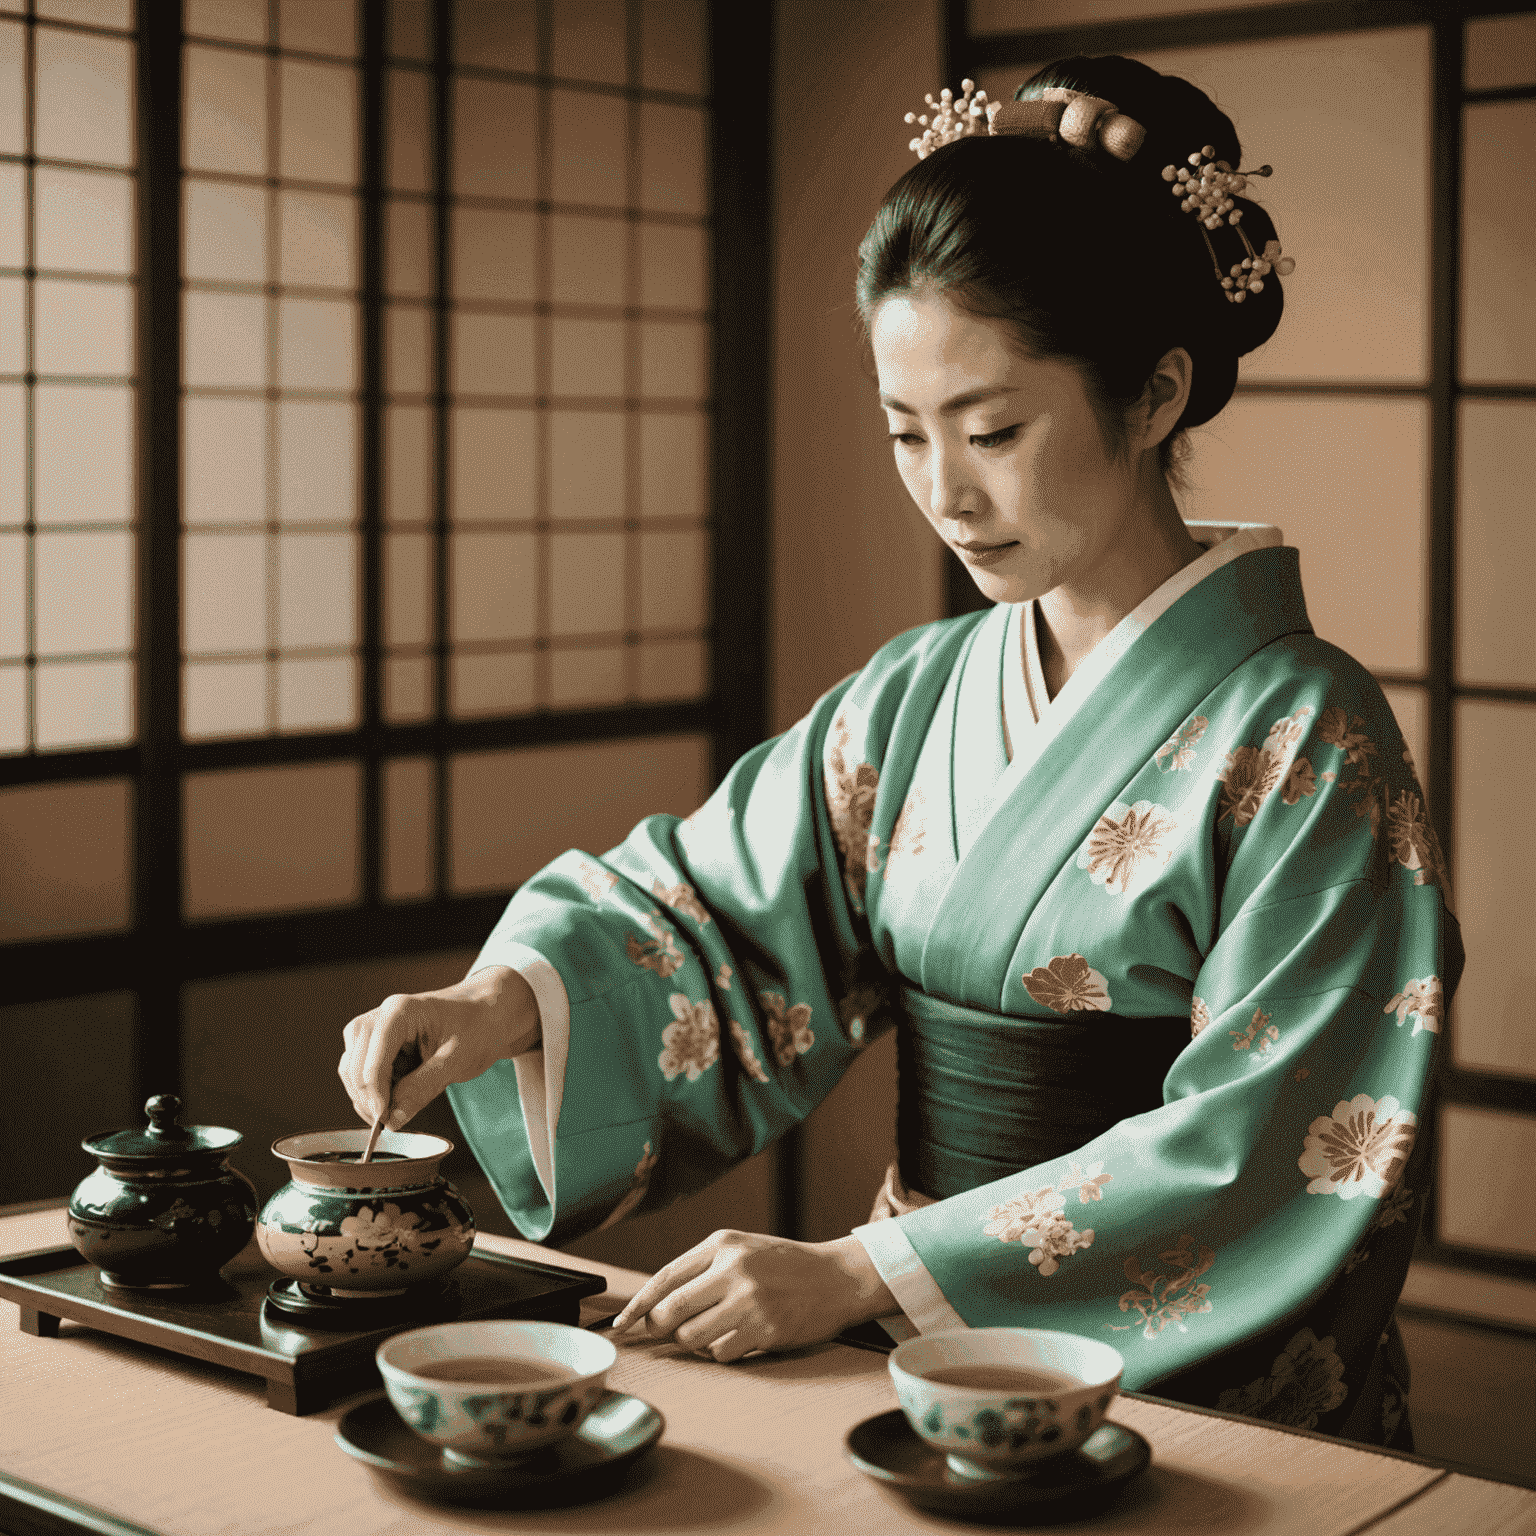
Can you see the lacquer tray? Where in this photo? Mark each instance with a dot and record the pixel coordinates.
(232, 1326)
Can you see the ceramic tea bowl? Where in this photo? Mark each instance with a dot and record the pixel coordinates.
(555, 1375)
(372, 1229)
(1063, 1386)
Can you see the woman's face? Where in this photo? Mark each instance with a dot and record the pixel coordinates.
(1002, 453)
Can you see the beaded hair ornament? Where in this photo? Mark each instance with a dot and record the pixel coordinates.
(1206, 186)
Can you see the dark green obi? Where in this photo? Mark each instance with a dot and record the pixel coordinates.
(983, 1094)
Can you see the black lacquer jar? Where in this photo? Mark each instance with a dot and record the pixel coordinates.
(164, 1210)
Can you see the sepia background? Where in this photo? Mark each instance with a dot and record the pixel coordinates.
(434, 434)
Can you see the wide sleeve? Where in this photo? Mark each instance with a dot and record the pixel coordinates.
(1288, 1120)
(702, 986)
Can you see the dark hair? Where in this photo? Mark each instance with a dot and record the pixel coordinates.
(1085, 257)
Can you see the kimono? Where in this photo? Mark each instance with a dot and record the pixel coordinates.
(1168, 955)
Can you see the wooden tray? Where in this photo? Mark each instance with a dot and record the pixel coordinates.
(303, 1369)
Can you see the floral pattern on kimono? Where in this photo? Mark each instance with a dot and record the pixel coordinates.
(1422, 1001)
(1068, 984)
(850, 790)
(1305, 1382)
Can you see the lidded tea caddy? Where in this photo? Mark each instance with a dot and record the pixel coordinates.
(163, 1210)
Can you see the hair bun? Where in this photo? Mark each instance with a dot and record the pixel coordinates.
(1180, 119)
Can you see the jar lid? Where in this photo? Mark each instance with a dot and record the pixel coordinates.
(163, 1138)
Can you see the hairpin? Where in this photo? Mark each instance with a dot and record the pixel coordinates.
(1209, 192)
(1079, 119)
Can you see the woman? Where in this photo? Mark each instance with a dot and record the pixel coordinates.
(1137, 866)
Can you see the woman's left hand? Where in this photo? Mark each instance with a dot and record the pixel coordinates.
(740, 1291)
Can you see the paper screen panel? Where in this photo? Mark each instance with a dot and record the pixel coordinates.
(491, 354)
(409, 433)
(408, 689)
(493, 465)
(317, 582)
(490, 683)
(586, 583)
(1485, 1197)
(15, 558)
(674, 575)
(82, 703)
(309, 28)
(494, 579)
(495, 34)
(224, 113)
(586, 677)
(495, 138)
(83, 594)
(674, 266)
(672, 54)
(586, 452)
(674, 359)
(83, 453)
(587, 357)
(13, 325)
(84, 97)
(13, 706)
(64, 859)
(1029, 15)
(317, 344)
(586, 259)
(588, 795)
(408, 248)
(408, 588)
(224, 606)
(673, 669)
(317, 461)
(13, 454)
(319, 122)
(1498, 313)
(1357, 306)
(589, 40)
(223, 341)
(317, 693)
(84, 220)
(493, 254)
(673, 159)
(1495, 887)
(223, 698)
(1346, 481)
(674, 465)
(13, 213)
(83, 329)
(410, 810)
(41, 1132)
(588, 138)
(1496, 543)
(317, 240)
(225, 463)
(238, 21)
(271, 839)
(224, 228)
(408, 129)
(1500, 51)
(408, 29)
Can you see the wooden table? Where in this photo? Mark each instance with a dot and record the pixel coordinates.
(158, 1441)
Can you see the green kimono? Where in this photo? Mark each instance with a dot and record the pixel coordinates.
(1168, 985)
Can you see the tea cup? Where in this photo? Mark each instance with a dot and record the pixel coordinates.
(995, 1400)
(495, 1390)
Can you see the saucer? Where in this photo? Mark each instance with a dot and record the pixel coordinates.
(887, 1449)
(584, 1466)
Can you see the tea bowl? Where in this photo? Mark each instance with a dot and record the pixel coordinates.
(372, 1229)
(488, 1420)
(991, 1431)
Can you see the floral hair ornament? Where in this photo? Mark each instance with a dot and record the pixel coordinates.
(1208, 191)
(1083, 121)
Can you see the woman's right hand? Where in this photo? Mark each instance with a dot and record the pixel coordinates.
(455, 1034)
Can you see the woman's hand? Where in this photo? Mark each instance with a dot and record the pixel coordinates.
(740, 1291)
(455, 1034)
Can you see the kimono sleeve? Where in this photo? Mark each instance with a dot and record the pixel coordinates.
(1288, 1120)
(710, 970)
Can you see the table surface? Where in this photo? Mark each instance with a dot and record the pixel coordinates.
(188, 1449)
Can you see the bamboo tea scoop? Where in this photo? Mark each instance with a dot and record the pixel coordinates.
(373, 1136)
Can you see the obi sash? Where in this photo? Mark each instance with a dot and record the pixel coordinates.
(983, 1095)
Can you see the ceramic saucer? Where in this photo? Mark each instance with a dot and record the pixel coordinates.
(584, 1466)
(887, 1449)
